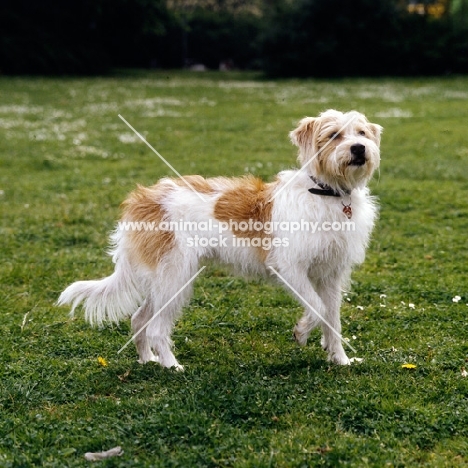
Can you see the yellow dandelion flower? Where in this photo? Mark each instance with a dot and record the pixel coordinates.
(408, 366)
(101, 361)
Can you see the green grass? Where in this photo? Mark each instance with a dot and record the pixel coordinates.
(250, 397)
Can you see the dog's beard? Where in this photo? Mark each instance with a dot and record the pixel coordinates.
(339, 169)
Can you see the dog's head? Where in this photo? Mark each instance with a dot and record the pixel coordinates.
(341, 150)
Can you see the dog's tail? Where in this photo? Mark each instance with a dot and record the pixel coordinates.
(110, 299)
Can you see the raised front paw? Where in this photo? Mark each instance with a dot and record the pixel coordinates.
(300, 336)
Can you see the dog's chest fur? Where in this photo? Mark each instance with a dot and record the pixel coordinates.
(332, 240)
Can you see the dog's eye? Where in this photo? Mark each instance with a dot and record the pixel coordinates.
(334, 135)
(362, 132)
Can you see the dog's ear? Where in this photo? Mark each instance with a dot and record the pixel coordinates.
(376, 131)
(303, 133)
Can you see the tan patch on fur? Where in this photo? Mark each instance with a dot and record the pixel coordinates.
(247, 198)
(195, 182)
(145, 205)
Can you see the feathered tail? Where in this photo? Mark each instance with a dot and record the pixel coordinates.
(110, 299)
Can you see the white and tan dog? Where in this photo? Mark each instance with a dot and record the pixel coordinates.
(338, 153)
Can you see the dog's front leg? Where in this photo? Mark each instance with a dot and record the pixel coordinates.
(297, 280)
(321, 307)
(330, 293)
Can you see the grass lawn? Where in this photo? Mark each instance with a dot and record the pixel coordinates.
(249, 397)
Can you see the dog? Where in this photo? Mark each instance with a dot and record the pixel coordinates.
(266, 231)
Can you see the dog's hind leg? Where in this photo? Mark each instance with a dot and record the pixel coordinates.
(160, 328)
(139, 320)
(168, 299)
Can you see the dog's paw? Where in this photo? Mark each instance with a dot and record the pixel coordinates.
(152, 358)
(299, 337)
(178, 368)
(339, 358)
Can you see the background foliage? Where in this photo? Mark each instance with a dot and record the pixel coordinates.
(281, 37)
(361, 38)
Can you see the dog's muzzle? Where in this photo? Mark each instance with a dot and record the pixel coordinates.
(358, 155)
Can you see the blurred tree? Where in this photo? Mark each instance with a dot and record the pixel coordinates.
(223, 37)
(284, 37)
(78, 36)
(131, 30)
(459, 12)
(218, 32)
(330, 38)
(231, 6)
(359, 38)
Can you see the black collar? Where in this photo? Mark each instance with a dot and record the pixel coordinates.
(326, 190)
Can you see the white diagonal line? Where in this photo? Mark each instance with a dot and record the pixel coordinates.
(168, 164)
(312, 158)
(312, 309)
(161, 309)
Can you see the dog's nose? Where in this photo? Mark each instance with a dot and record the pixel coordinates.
(358, 150)
(358, 153)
